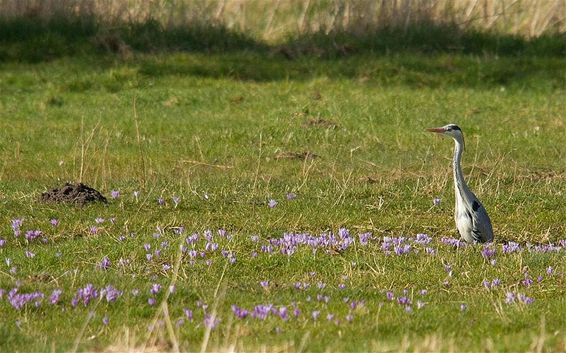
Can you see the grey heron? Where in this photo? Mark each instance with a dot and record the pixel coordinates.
(470, 216)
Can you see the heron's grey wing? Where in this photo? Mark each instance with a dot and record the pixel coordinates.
(481, 224)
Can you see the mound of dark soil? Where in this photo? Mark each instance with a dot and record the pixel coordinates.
(79, 194)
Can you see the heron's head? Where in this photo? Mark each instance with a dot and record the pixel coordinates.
(451, 130)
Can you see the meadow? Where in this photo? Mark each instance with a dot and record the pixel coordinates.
(279, 197)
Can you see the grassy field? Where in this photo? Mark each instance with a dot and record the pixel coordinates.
(309, 182)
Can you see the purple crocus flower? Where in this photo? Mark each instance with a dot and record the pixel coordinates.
(151, 301)
(54, 222)
(110, 293)
(188, 314)
(423, 239)
(16, 224)
(457, 243)
(105, 263)
(364, 238)
(510, 247)
(160, 201)
(105, 320)
(85, 295)
(264, 284)
(239, 312)
(509, 297)
(315, 314)
(354, 304)
(291, 196)
(463, 307)
(402, 249)
(33, 234)
(272, 203)
(283, 313)
(448, 270)
(524, 299)
(436, 201)
(29, 254)
(115, 194)
(18, 300)
(527, 281)
(210, 321)
(55, 296)
(210, 246)
(487, 252)
(390, 295)
(2, 242)
(99, 220)
(155, 288)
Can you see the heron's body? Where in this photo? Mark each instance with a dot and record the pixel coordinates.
(472, 220)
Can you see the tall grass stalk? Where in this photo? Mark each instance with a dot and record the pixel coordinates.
(274, 20)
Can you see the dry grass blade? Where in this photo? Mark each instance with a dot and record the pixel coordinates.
(281, 17)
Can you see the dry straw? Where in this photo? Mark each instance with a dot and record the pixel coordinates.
(275, 19)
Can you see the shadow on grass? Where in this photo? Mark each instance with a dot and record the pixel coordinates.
(421, 55)
(33, 40)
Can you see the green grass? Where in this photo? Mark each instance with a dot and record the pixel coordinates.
(214, 124)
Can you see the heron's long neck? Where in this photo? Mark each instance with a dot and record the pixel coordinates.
(459, 182)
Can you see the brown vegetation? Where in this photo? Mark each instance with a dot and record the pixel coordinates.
(275, 19)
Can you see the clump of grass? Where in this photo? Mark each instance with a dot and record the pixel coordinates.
(275, 19)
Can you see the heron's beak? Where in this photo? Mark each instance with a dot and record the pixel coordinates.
(436, 129)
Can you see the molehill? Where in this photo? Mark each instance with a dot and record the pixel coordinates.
(78, 194)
